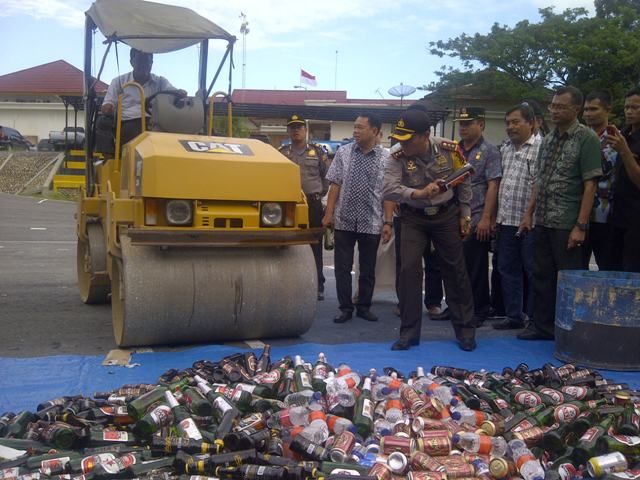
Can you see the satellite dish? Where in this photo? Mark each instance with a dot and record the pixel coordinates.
(401, 91)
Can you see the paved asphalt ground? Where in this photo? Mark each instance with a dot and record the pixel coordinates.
(41, 313)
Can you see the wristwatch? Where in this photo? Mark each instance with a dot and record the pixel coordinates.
(389, 223)
(583, 226)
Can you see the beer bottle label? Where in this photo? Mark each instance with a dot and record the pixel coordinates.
(502, 403)
(115, 436)
(632, 441)
(161, 415)
(565, 413)
(88, 463)
(367, 409)
(54, 466)
(320, 372)
(589, 435)
(305, 381)
(10, 472)
(528, 398)
(108, 410)
(189, 428)
(119, 464)
(246, 387)
(567, 471)
(222, 405)
(575, 391)
(556, 395)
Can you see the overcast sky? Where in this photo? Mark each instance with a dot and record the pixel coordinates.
(380, 43)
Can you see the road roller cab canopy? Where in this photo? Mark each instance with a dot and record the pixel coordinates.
(153, 27)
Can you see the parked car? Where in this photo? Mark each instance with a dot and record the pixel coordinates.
(12, 139)
(71, 137)
(45, 145)
(330, 146)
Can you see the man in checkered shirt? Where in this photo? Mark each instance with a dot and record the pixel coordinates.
(515, 242)
(354, 208)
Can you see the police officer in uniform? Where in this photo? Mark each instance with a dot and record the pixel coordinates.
(414, 178)
(312, 160)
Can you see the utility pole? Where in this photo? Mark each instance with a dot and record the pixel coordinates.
(244, 30)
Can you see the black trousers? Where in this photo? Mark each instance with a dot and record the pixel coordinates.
(432, 279)
(550, 256)
(316, 213)
(345, 242)
(443, 229)
(497, 298)
(476, 256)
(626, 248)
(601, 242)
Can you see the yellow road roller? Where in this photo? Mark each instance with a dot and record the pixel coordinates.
(192, 237)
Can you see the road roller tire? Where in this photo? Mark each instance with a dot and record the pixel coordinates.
(91, 255)
(186, 295)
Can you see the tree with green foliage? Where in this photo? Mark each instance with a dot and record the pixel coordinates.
(568, 48)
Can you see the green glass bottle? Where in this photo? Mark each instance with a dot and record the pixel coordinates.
(320, 372)
(628, 445)
(629, 421)
(197, 403)
(586, 446)
(19, 424)
(138, 407)
(59, 435)
(301, 377)
(363, 417)
(158, 416)
(181, 418)
(221, 404)
(288, 384)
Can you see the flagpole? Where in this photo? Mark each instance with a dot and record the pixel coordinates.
(335, 84)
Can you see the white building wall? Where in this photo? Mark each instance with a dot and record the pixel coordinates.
(36, 120)
(342, 130)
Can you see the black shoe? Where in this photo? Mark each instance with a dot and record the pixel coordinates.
(467, 344)
(320, 296)
(531, 333)
(442, 315)
(367, 315)
(403, 344)
(496, 313)
(343, 317)
(478, 320)
(508, 324)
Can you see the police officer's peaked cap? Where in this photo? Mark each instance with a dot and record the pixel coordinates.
(470, 113)
(295, 120)
(410, 122)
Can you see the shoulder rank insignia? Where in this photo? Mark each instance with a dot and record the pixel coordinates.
(450, 145)
(411, 165)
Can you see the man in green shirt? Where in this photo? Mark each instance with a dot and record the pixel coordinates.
(568, 167)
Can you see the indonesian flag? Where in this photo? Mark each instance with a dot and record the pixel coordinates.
(307, 78)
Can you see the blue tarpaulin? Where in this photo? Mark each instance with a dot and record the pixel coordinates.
(26, 382)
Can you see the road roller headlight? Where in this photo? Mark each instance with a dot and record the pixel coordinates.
(179, 212)
(271, 214)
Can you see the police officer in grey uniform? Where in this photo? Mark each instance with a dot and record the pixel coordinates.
(414, 178)
(312, 160)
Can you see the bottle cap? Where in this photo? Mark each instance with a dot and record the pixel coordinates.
(455, 438)
(456, 415)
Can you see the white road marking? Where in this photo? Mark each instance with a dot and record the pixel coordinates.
(60, 242)
(37, 228)
(254, 344)
(42, 201)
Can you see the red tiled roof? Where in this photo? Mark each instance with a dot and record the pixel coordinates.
(305, 97)
(54, 78)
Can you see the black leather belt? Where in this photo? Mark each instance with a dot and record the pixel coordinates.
(428, 211)
(316, 197)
